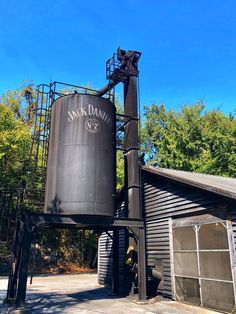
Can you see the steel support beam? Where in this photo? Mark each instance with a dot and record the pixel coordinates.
(115, 265)
(23, 268)
(79, 221)
(142, 276)
(132, 178)
(13, 277)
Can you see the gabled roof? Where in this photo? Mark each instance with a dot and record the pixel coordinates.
(216, 184)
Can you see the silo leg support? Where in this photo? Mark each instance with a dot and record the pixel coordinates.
(12, 279)
(142, 278)
(23, 268)
(115, 277)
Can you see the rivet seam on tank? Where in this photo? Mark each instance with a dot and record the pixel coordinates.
(92, 125)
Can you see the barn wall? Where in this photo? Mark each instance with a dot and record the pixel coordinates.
(105, 255)
(233, 212)
(105, 259)
(164, 200)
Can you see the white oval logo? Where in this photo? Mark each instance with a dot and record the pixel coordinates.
(92, 126)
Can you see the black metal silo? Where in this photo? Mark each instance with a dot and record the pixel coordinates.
(81, 163)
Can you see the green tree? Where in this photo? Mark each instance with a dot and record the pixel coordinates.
(191, 139)
(15, 138)
(119, 144)
(21, 102)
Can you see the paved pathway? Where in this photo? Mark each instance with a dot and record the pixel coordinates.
(81, 294)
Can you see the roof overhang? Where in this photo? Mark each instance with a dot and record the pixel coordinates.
(215, 184)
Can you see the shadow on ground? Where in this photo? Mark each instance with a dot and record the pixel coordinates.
(66, 303)
(74, 294)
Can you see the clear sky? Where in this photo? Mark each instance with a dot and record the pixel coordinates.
(188, 46)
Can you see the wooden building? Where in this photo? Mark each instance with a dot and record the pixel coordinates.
(190, 223)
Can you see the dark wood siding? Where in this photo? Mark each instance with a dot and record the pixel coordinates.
(105, 259)
(163, 200)
(233, 212)
(105, 255)
(158, 251)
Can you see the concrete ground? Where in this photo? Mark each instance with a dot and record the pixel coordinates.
(82, 294)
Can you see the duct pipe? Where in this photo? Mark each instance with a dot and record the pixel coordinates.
(131, 262)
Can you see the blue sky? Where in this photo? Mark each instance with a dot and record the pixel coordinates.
(188, 46)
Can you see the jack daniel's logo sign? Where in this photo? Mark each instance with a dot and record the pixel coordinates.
(92, 124)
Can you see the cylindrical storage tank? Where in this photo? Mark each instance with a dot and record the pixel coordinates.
(81, 163)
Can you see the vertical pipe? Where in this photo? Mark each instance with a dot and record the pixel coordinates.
(142, 291)
(132, 176)
(131, 147)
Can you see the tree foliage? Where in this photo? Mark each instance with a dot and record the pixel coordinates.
(119, 144)
(16, 111)
(191, 139)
